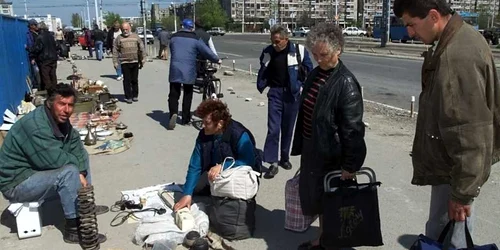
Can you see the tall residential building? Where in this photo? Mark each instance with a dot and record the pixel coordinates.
(6, 8)
(289, 12)
(470, 5)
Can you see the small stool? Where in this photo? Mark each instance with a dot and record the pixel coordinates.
(28, 219)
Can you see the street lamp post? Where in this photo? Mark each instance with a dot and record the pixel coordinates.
(102, 21)
(175, 17)
(96, 13)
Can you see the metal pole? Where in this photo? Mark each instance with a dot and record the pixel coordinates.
(88, 14)
(144, 27)
(102, 19)
(194, 10)
(25, 10)
(96, 13)
(337, 12)
(82, 19)
(243, 18)
(175, 17)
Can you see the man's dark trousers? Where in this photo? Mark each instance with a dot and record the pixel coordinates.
(48, 74)
(130, 80)
(162, 48)
(187, 99)
(281, 116)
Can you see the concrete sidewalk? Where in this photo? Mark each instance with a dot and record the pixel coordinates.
(160, 156)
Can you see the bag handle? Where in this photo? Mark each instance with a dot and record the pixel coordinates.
(337, 173)
(447, 233)
(226, 159)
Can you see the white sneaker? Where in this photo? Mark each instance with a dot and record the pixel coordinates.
(119, 78)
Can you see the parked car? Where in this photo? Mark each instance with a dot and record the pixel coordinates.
(353, 31)
(216, 31)
(301, 31)
(149, 36)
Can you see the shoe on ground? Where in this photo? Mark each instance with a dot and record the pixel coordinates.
(129, 101)
(172, 122)
(119, 78)
(135, 99)
(101, 209)
(286, 165)
(273, 171)
(72, 235)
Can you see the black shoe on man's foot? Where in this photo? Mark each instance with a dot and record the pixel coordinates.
(72, 235)
(273, 171)
(286, 165)
(172, 122)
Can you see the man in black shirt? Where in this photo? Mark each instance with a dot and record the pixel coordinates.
(45, 53)
(280, 64)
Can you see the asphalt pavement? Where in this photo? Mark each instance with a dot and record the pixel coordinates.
(391, 81)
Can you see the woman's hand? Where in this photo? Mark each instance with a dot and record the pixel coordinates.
(214, 172)
(183, 202)
(347, 176)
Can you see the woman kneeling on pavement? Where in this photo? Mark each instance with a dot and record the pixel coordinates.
(212, 147)
(329, 133)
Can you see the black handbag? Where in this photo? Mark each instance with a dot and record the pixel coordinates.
(350, 211)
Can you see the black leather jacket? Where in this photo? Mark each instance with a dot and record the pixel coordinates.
(45, 48)
(338, 128)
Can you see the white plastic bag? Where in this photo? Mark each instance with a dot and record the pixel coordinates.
(235, 182)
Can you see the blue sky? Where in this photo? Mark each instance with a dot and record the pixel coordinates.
(64, 8)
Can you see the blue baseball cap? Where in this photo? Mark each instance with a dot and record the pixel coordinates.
(187, 23)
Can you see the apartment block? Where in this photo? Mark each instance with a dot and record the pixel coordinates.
(6, 8)
(288, 12)
(470, 5)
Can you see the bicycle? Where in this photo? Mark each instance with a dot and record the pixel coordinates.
(209, 85)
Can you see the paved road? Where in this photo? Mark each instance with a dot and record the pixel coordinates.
(386, 80)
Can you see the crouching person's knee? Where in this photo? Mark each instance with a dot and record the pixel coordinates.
(70, 176)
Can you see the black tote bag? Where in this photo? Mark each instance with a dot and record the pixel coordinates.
(351, 212)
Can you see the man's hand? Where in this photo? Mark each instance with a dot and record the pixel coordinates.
(214, 172)
(347, 176)
(83, 180)
(457, 211)
(32, 61)
(183, 202)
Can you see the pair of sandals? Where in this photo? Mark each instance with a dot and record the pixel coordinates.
(308, 245)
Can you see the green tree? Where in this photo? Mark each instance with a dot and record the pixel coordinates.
(484, 19)
(76, 20)
(211, 14)
(169, 22)
(110, 18)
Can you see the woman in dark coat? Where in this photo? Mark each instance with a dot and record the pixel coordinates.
(329, 133)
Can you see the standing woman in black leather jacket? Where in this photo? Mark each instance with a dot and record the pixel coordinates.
(329, 133)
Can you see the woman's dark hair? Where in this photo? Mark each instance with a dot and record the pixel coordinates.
(420, 8)
(217, 109)
(62, 89)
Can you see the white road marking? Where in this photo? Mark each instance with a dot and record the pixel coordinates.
(229, 54)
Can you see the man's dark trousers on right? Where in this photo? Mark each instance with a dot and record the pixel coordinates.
(282, 112)
(48, 74)
(187, 99)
